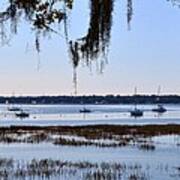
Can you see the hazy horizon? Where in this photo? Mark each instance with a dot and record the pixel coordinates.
(38, 95)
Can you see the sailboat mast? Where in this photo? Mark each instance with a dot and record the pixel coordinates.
(135, 96)
(158, 94)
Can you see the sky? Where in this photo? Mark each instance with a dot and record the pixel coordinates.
(145, 57)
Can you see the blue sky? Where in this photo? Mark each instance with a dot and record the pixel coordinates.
(145, 57)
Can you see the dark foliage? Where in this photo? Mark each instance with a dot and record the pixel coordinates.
(97, 39)
(109, 99)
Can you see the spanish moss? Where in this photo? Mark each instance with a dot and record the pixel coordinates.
(175, 2)
(44, 15)
(96, 41)
(41, 15)
(129, 13)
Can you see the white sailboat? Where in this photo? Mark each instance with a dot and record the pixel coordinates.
(22, 114)
(85, 110)
(136, 112)
(160, 108)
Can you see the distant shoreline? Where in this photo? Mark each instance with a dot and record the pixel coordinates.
(94, 99)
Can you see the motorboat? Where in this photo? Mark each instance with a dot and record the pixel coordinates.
(85, 110)
(160, 109)
(136, 112)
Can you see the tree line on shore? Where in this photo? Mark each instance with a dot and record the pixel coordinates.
(91, 99)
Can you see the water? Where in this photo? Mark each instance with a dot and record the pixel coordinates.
(158, 164)
(161, 155)
(101, 114)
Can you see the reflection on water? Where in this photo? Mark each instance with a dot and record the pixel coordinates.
(162, 163)
(159, 161)
(101, 114)
(167, 151)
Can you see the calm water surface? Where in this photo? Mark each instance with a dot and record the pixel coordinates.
(160, 163)
(101, 114)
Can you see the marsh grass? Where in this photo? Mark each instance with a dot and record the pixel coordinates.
(73, 142)
(97, 135)
(97, 131)
(55, 169)
(147, 147)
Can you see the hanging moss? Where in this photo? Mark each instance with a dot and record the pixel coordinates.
(96, 41)
(175, 2)
(42, 15)
(129, 13)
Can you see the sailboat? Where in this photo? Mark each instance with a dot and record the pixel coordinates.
(160, 108)
(14, 109)
(85, 110)
(136, 112)
(22, 114)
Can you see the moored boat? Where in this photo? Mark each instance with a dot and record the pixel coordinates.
(136, 113)
(160, 109)
(14, 109)
(22, 114)
(85, 110)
